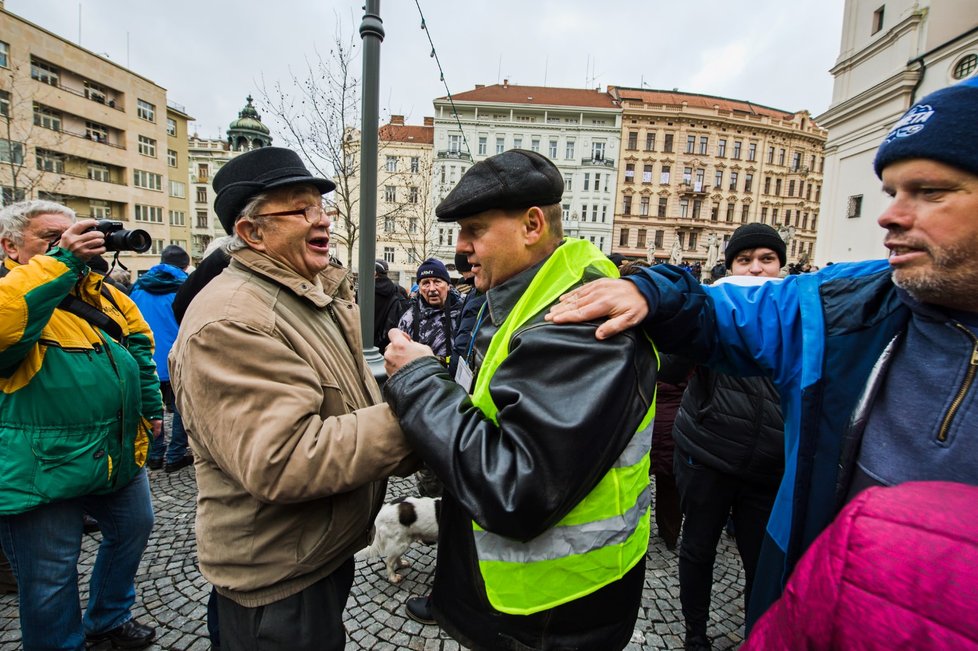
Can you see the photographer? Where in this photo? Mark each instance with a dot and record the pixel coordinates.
(79, 400)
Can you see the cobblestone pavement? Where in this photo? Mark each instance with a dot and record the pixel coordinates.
(172, 595)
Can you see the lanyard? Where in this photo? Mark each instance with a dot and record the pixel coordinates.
(475, 331)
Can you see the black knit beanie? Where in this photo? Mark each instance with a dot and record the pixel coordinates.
(752, 236)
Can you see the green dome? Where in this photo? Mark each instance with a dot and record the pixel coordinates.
(248, 120)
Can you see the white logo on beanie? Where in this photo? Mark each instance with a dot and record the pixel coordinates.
(911, 123)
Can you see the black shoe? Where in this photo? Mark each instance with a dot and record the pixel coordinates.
(154, 464)
(182, 462)
(89, 524)
(419, 609)
(697, 642)
(131, 635)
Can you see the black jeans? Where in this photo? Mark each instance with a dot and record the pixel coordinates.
(311, 620)
(707, 498)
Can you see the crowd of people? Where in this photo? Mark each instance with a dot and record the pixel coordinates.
(826, 418)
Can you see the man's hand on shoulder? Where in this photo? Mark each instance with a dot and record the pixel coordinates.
(83, 240)
(402, 350)
(619, 300)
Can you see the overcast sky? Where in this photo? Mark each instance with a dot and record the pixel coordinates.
(210, 54)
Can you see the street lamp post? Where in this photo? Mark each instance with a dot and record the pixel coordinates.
(372, 33)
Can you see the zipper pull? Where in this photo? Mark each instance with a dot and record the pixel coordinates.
(97, 348)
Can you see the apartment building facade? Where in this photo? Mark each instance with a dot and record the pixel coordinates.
(77, 128)
(892, 54)
(578, 129)
(695, 167)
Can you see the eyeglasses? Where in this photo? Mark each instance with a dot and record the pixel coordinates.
(312, 213)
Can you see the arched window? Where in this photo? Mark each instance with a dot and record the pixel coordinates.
(966, 66)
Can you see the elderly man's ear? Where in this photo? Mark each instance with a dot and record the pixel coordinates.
(248, 231)
(534, 225)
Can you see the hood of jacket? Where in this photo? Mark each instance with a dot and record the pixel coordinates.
(161, 279)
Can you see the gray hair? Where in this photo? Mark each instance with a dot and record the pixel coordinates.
(217, 243)
(15, 218)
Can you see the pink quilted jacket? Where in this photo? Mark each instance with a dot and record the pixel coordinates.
(898, 569)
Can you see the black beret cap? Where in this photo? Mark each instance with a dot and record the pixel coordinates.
(514, 179)
(257, 171)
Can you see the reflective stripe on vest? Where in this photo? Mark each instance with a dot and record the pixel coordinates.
(607, 532)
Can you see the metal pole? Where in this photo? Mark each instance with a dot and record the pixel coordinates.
(372, 33)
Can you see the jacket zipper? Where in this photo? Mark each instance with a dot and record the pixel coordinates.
(969, 378)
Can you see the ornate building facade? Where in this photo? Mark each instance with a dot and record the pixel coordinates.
(695, 167)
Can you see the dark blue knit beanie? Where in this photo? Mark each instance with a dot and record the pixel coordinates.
(943, 127)
(433, 268)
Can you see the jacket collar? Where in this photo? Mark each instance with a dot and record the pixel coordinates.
(260, 264)
(501, 299)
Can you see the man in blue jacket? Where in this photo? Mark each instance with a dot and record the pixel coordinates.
(153, 293)
(876, 362)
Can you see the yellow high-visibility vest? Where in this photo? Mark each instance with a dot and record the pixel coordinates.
(607, 532)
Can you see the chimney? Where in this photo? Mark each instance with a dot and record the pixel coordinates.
(505, 83)
(478, 86)
(429, 122)
(397, 120)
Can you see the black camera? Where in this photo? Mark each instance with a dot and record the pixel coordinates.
(118, 238)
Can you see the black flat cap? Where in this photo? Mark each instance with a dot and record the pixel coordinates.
(255, 172)
(514, 179)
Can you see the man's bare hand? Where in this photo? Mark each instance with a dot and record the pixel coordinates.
(401, 350)
(618, 299)
(157, 426)
(82, 242)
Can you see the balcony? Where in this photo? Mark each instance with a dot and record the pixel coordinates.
(693, 189)
(598, 162)
(450, 154)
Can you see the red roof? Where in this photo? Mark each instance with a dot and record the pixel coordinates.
(412, 134)
(506, 93)
(675, 98)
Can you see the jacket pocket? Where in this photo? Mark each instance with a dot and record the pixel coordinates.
(336, 524)
(70, 463)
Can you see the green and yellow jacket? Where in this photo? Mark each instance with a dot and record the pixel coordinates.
(75, 404)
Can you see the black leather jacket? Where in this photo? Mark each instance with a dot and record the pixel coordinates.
(567, 406)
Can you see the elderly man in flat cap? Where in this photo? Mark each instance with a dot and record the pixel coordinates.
(541, 438)
(292, 443)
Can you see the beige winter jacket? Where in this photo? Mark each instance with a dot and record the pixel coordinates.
(292, 441)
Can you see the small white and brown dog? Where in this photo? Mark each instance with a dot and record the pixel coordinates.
(397, 525)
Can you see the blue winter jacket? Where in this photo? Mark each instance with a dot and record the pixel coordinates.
(153, 293)
(818, 337)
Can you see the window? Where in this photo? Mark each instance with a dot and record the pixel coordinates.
(147, 146)
(733, 181)
(748, 182)
(390, 193)
(145, 110)
(597, 182)
(698, 185)
(690, 144)
(565, 211)
(659, 236)
(517, 142)
(626, 205)
(4, 103)
(743, 214)
(629, 172)
(650, 141)
(767, 185)
(412, 224)
(594, 213)
(692, 242)
(878, 20)
(94, 92)
(99, 209)
(633, 140)
(597, 151)
(49, 161)
(483, 145)
(687, 175)
(535, 145)
(730, 212)
(663, 202)
(171, 158)
(623, 237)
(664, 176)
(501, 146)
(391, 164)
(389, 224)
(647, 174)
(643, 207)
(718, 179)
(683, 208)
(770, 154)
(178, 189)
(752, 151)
(587, 181)
(148, 180)
(697, 207)
(963, 68)
(641, 238)
(152, 214)
(763, 215)
(171, 127)
(722, 148)
(47, 117)
(855, 206)
(791, 188)
(454, 143)
(714, 213)
(98, 172)
(795, 161)
(774, 217)
(413, 194)
(736, 149)
(569, 150)
(568, 182)
(202, 172)
(553, 149)
(157, 247)
(45, 72)
(4, 55)
(178, 217)
(202, 194)
(781, 157)
(777, 187)
(201, 219)
(667, 148)
(8, 194)
(704, 143)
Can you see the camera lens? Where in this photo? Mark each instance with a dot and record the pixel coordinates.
(137, 240)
